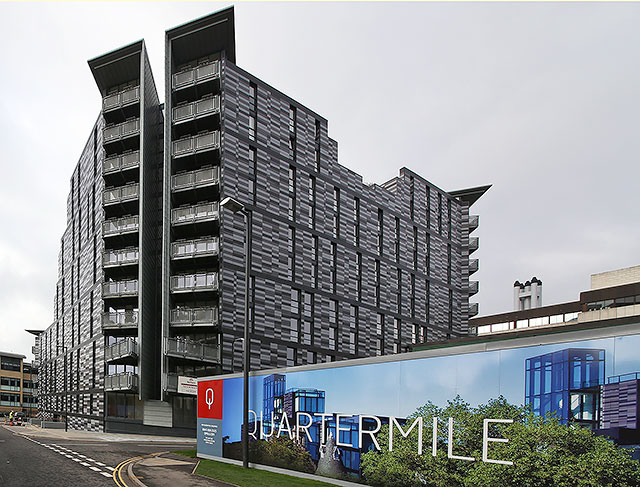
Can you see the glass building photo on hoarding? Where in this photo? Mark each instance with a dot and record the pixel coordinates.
(151, 269)
(579, 381)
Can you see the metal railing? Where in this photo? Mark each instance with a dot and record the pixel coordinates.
(121, 130)
(196, 213)
(204, 281)
(120, 194)
(197, 109)
(125, 381)
(10, 403)
(118, 163)
(118, 226)
(193, 76)
(120, 288)
(195, 248)
(473, 266)
(121, 99)
(29, 390)
(113, 258)
(194, 317)
(473, 309)
(195, 179)
(616, 379)
(185, 348)
(122, 349)
(197, 143)
(120, 319)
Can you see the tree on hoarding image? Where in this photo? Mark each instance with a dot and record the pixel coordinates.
(543, 451)
(279, 451)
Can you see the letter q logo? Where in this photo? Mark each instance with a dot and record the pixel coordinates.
(208, 397)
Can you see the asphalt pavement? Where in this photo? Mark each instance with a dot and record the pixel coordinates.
(30, 456)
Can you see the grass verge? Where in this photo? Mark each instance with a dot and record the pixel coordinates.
(251, 477)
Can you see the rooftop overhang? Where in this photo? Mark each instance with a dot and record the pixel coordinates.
(203, 36)
(117, 67)
(470, 195)
(35, 332)
(12, 355)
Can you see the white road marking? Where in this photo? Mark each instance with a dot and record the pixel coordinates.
(106, 474)
(76, 459)
(84, 464)
(101, 464)
(109, 468)
(95, 469)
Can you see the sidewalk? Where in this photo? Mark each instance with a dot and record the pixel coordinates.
(168, 469)
(60, 434)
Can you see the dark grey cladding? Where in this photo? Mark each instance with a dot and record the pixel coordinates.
(340, 268)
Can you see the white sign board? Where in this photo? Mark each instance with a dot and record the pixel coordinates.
(187, 385)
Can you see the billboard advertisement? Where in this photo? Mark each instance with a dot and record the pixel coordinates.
(545, 413)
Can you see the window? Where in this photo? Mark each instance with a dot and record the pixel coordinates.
(292, 133)
(359, 275)
(314, 263)
(397, 243)
(356, 220)
(10, 363)
(415, 248)
(291, 357)
(316, 152)
(252, 127)
(411, 194)
(380, 230)
(292, 192)
(377, 281)
(253, 166)
(427, 251)
(334, 266)
(440, 213)
(291, 258)
(336, 212)
(253, 110)
(399, 291)
(312, 202)
(413, 295)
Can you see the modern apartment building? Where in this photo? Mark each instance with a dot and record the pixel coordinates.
(18, 384)
(151, 269)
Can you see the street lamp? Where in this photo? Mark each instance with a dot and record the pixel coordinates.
(237, 207)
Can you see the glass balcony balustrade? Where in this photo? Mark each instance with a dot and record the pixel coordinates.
(190, 349)
(121, 162)
(204, 281)
(120, 288)
(120, 319)
(196, 179)
(474, 243)
(120, 226)
(121, 99)
(196, 213)
(193, 76)
(194, 248)
(126, 381)
(119, 257)
(474, 221)
(120, 194)
(195, 144)
(194, 317)
(10, 403)
(474, 265)
(127, 348)
(197, 109)
(474, 287)
(10, 388)
(121, 130)
(473, 309)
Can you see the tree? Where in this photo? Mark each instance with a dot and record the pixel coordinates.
(543, 451)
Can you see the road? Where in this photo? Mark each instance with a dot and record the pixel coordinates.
(41, 461)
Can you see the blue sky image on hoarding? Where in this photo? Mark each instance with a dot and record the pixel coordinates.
(399, 388)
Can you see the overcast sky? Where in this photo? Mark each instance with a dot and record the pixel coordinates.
(538, 99)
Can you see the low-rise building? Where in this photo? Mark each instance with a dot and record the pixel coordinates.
(18, 385)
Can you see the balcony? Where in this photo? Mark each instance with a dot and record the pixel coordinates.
(195, 248)
(196, 109)
(474, 243)
(120, 226)
(126, 381)
(112, 165)
(118, 289)
(123, 351)
(196, 179)
(10, 388)
(172, 383)
(121, 99)
(189, 317)
(473, 309)
(474, 265)
(474, 287)
(120, 257)
(120, 194)
(197, 75)
(120, 320)
(185, 283)
(474, 220)
(120, 131)
(196, 144)
(10, 403)
(29, 390)
(191, 350)
(195, 214)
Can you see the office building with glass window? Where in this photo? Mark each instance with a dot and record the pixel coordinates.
(151, 269)
(18, 385)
